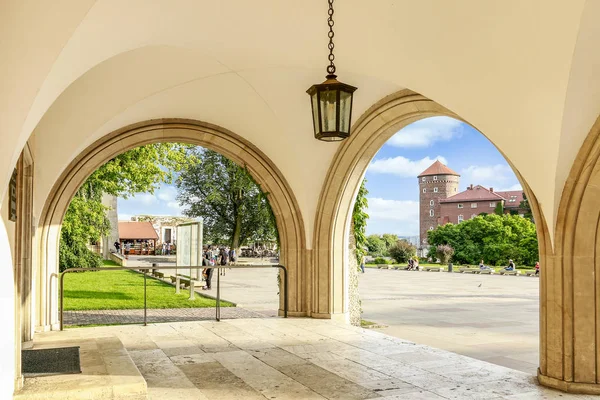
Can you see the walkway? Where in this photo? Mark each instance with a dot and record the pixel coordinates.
(121, 317)
(283, 359)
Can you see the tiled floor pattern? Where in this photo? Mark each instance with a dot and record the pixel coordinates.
(277, 358)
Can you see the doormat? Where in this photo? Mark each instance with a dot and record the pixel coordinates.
(62, 360)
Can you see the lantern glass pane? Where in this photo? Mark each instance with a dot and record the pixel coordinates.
(345, 108)
(315, 112)
(328, 110)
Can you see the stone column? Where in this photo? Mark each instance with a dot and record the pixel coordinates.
(570, 280)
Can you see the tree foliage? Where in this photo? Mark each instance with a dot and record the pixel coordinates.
(499, 210)
(234, 209)
(527, 208)
(376, 246)
(493, 238)
(402, 250)
(142, 169)
(359, 219)
(444, 252)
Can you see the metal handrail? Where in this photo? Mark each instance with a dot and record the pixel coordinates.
(218, 267)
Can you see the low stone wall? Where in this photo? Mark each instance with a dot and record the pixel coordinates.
(119, 259)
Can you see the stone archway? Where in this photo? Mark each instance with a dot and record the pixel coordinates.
(570, 287)
(266, 174)
(332, 224)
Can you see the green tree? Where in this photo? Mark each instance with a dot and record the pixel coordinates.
(233, 207)
(142, 169)
(359, 219)
(524, 205)
(493, 238)
(402, 251)
(444, 252)
(499, 210)
(376, 245)
(390, 239)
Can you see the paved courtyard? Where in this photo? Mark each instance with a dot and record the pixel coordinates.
(490, 318)
(276, 358)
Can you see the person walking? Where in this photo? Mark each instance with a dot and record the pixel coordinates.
(537, 267)
(117, 247)
(224, 255)
(207, 271)
(362, 264)
(127, 249)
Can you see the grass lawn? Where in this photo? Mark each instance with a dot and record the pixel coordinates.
(119, 290)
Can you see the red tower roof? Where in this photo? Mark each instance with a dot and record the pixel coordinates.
(437, 168)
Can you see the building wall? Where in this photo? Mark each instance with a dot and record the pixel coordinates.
(449, 212)
(433, 188)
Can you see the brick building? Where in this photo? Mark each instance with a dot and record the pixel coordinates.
(436, 183)
(440, 203)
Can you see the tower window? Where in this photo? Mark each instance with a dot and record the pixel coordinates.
(424, 190)
(431, 228)
(435, 178)
(435, 190)
(492, 204)
(473, 216)
(473, 205)
(460, 205)
(431, 212)
(423, 179)
(431, 203)
(460, 218)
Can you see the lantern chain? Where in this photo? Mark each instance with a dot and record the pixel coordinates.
(331, 46)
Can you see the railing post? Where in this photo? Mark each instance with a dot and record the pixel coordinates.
(61, 279)
(218, 305)
(145, 301)
(192, 289)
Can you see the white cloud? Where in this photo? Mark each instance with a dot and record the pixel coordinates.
(167, 193)
(393, 216)
(516, 186)
(124, 217)
(173, 204)
(402, 166)
(144, 198)
(500, 176)
(426, 132)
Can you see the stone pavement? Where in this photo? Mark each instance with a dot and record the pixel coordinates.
(276, 358)
(114, 317)
(489, 317)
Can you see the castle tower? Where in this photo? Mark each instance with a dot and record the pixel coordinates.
(435, 183)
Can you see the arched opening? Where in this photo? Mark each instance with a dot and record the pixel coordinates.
(370, 132)
(264, 172)
(436, 182)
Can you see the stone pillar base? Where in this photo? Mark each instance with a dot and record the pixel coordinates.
(569, 387)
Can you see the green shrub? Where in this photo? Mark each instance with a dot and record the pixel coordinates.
(381, 260)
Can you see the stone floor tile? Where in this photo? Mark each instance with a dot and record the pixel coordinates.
(218, 383)
(263, 378)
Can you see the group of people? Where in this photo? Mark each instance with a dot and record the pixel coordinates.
(511, 266)
(413, 264)
(213, 256)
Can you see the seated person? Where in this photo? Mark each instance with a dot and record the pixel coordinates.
(483, 266)
(511, 266)
(537, 267)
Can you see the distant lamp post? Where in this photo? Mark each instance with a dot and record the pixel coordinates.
(331, 100)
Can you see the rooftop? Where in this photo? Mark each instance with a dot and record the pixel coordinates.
(437, 168)
(137, 230)
(474, 193)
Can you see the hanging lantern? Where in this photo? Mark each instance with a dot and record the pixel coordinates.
(331, 101)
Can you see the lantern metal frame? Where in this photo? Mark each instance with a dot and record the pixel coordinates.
(331, 84)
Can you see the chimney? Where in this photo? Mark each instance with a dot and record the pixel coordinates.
(470, 187)
(492, 189)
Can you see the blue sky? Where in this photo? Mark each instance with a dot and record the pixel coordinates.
(392, 174)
